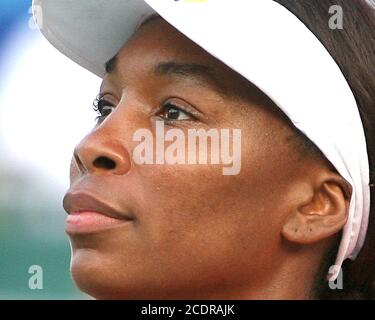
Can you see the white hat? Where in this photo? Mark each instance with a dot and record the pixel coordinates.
(275, 51)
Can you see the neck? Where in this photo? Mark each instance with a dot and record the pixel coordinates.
(292, 278)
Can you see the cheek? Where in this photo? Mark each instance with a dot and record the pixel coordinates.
(198, 205)
(195, 211)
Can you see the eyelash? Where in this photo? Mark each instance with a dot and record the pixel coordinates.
(170, 105)
(100, 103)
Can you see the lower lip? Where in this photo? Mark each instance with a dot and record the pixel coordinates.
(91, 222)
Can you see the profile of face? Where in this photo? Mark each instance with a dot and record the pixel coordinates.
(188, 231)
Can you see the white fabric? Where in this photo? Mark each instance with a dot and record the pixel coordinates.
(263, 42)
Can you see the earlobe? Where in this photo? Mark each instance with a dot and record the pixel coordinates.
(324, 215)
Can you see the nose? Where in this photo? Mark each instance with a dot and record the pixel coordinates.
(99, 153)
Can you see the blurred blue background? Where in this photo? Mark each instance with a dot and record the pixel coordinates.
(45, 109)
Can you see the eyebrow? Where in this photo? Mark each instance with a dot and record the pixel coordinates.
(187, 70)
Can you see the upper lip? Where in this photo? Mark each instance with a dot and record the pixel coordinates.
(84, 202)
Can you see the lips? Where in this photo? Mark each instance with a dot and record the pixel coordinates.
(89, 214)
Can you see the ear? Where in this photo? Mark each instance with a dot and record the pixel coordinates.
(322, 215)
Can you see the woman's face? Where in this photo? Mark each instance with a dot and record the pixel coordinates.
(193, 232)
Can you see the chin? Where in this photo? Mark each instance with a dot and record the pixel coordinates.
(94, 275)
(105, 277)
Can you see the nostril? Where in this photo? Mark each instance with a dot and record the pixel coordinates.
(104, 163)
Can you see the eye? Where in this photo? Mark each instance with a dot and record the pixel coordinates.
(172, 112)
(103, 108)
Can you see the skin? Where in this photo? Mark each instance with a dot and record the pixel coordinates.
(197, 234)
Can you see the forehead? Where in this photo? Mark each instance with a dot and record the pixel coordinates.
(156, 41)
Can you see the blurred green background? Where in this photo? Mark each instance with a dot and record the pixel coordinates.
(31, 234)
(40, 123)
